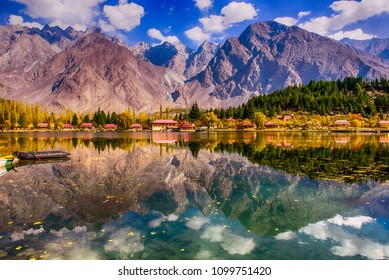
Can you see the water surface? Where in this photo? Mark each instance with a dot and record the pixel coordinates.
(197, 196)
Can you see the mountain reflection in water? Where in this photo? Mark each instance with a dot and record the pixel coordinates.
(204, 196)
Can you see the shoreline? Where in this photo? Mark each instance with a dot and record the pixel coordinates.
(326, 130)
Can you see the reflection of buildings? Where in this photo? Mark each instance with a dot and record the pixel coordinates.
(384, 139)
(170, 137)
(342, 140)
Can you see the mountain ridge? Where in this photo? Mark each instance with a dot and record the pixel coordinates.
(70, 73)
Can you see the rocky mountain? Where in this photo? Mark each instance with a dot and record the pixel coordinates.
(199, 59)
(268, 56)
(376, 46)
(177, 57)
(96, 72)
(20, 53)
(84, 70)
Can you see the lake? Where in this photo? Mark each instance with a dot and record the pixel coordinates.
(273, 195)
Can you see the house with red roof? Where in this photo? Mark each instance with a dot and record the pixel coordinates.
(43, 126)
(110, 126)
(86, 125)
(136, 127)
(67, 126)
(164, 125)
(187, 126)
(342, 123)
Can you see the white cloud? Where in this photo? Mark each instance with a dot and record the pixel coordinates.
(156, 34)
(348, 244)
(238, 12)
(288, 235)
(237, 245)
(197, 35)
(105, 26)
(124, 16)
(213, 233)
(125, 241)
(197, 223)
(233, 13)
(232, 243)
(213, 23)
(73, 13)
(14, 20)
(203, 4)
(346, 13)
(355, 222)
(203, 255)
(356, 34)
(289, 21)
(303, 14)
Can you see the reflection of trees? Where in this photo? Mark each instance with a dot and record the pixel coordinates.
(371, 161)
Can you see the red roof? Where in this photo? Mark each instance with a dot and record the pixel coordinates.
(136, 125)
(384, 122)
(86, 125)
(231, 119)
(67, 125)
(270, 124)
(165, 122)
(287, 117)
(43, 125)
(186, 125)
(342, 122)
(110, 125)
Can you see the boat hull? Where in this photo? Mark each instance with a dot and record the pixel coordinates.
(40, 155)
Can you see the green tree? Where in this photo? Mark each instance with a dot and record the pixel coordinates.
(194, 113)
(75, 120)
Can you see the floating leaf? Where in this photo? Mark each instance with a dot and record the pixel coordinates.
(37, 223)
(70, 243)
(18, 248)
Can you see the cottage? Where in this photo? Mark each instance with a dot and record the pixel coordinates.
(86, 125)
(186, 126)
(270, 124)
(342, 123)
(67, 126)
(384, 124)
(136, 127)
(110, 126)
(164, 125)
(287, 117)
(43, 125)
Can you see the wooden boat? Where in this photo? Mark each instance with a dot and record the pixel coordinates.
(40, 155)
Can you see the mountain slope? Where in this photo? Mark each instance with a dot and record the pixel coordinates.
(95, 72)
(376, 46)
(268, 56)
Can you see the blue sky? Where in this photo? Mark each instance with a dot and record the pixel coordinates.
(193, 21)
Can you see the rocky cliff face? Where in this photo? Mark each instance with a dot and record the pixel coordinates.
(376, 46)
(176, 57)
(95, 72)
(198, 60)
(84, 70)
(268, 56)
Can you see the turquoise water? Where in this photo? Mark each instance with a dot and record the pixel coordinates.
(197, 196)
